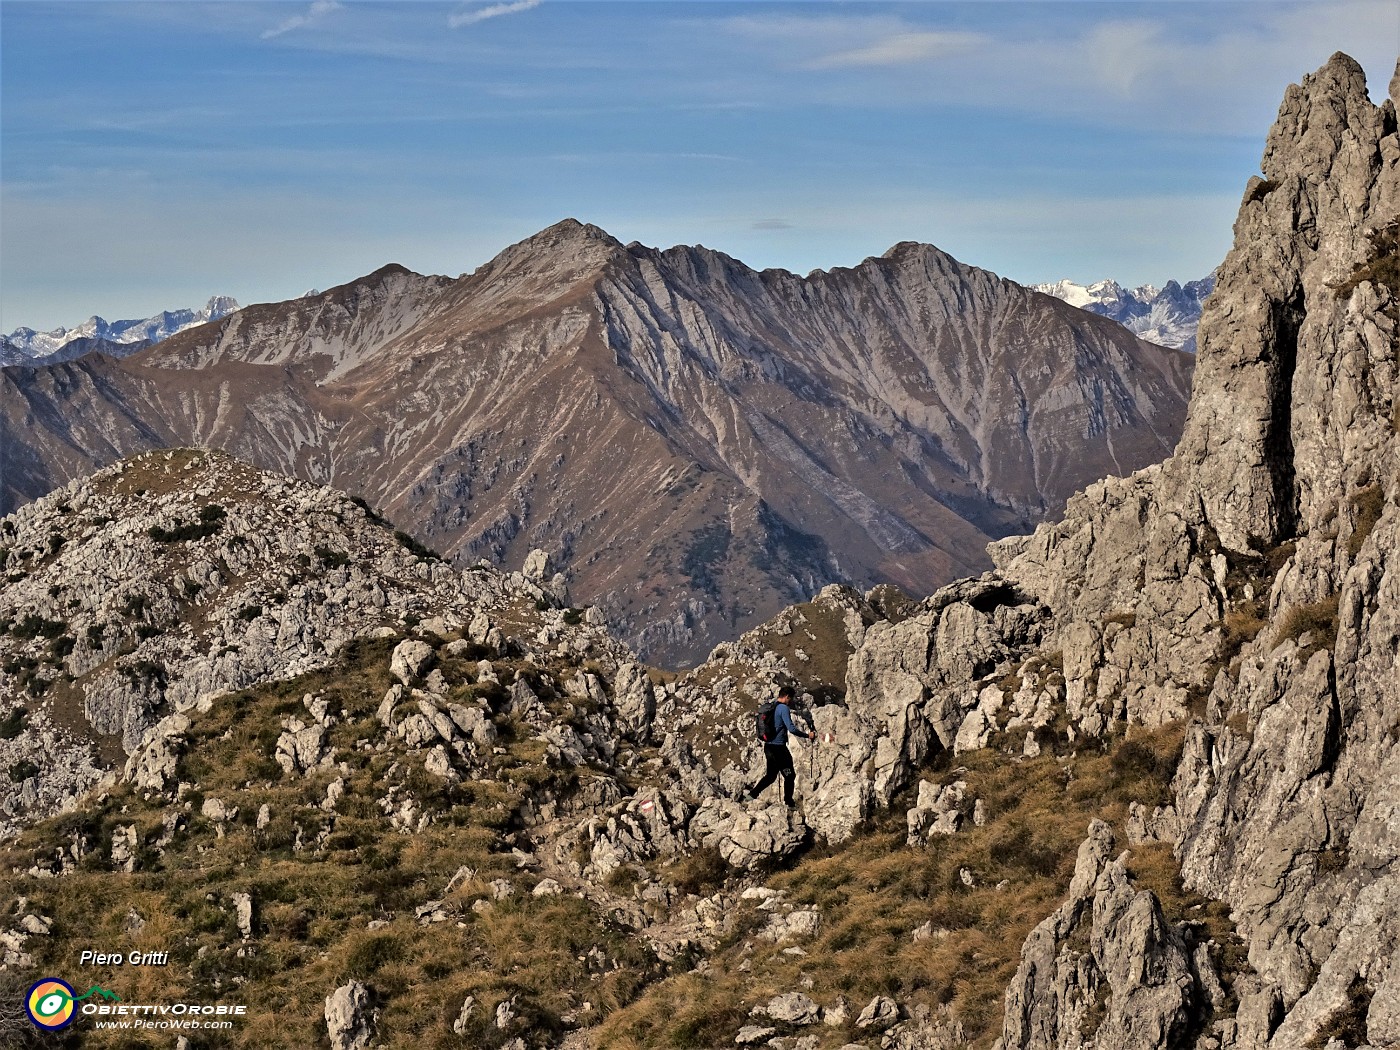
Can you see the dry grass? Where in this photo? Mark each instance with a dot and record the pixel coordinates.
(1384, 271)
(1348, 1023)
(1368, 504)
(313, 905)
(874, 892)
(1318, 618)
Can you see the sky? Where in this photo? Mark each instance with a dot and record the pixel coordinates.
(154, 154)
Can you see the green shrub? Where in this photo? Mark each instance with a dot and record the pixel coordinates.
(144, 670)
(22, 771)
(33, 626)
(373, 515)
(12, 725)
(211, 520)
(414, 547)
(701, 873)
(332, 559)
(371, 953)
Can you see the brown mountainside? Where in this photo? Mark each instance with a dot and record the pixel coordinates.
(699, 443)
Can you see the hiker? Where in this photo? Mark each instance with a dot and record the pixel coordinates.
(774, 724)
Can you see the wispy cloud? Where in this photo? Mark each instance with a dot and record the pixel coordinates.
(612, 157)
(467, 18)
(772, 224)
(317, 10)
(898, 49)
(1168, 66)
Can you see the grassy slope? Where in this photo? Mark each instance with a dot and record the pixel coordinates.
(875, 891)
(314, 904)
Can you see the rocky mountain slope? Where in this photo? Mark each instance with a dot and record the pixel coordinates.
(1246, 588)
(171, 579)
(1135, 787)
(1166, 315)
(26, 347)
(696, 443)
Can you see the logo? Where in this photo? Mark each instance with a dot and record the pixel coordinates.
(51, 1003)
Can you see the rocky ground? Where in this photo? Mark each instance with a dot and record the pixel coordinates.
(1134, 788)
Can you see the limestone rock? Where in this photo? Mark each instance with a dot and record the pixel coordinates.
(300, 746)
(880, 1013)
(792, 1008)
(802, 924)
(747, 837)
(124, 848)
(410, 660)
(464, 1016)
(938, 811)
(350, 1019)
(752, 1033)
(539, 566)
(635, 699)
(243, 913)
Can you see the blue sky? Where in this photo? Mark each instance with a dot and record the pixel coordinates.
(153, 154)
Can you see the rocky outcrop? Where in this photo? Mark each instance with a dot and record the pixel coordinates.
(350, 1020)
(141, 594)
(1250, 581)
(1107, 969)
(1246, 586)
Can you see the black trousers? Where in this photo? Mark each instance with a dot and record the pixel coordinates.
(778, 761)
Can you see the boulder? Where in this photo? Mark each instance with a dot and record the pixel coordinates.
(350, 1019)
(410, 659)
(243, 913)
(880, 1013)
(792, 1008)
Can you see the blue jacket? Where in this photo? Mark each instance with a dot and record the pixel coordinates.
(783, 717)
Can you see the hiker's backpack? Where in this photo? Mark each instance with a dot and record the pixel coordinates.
(768, 722)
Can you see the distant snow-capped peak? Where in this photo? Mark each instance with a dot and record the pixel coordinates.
(1165, 315)
(25, 346)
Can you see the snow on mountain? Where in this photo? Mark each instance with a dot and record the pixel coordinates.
(25, 346)
(1166, 316)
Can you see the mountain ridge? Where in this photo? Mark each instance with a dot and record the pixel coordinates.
(900, 412)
